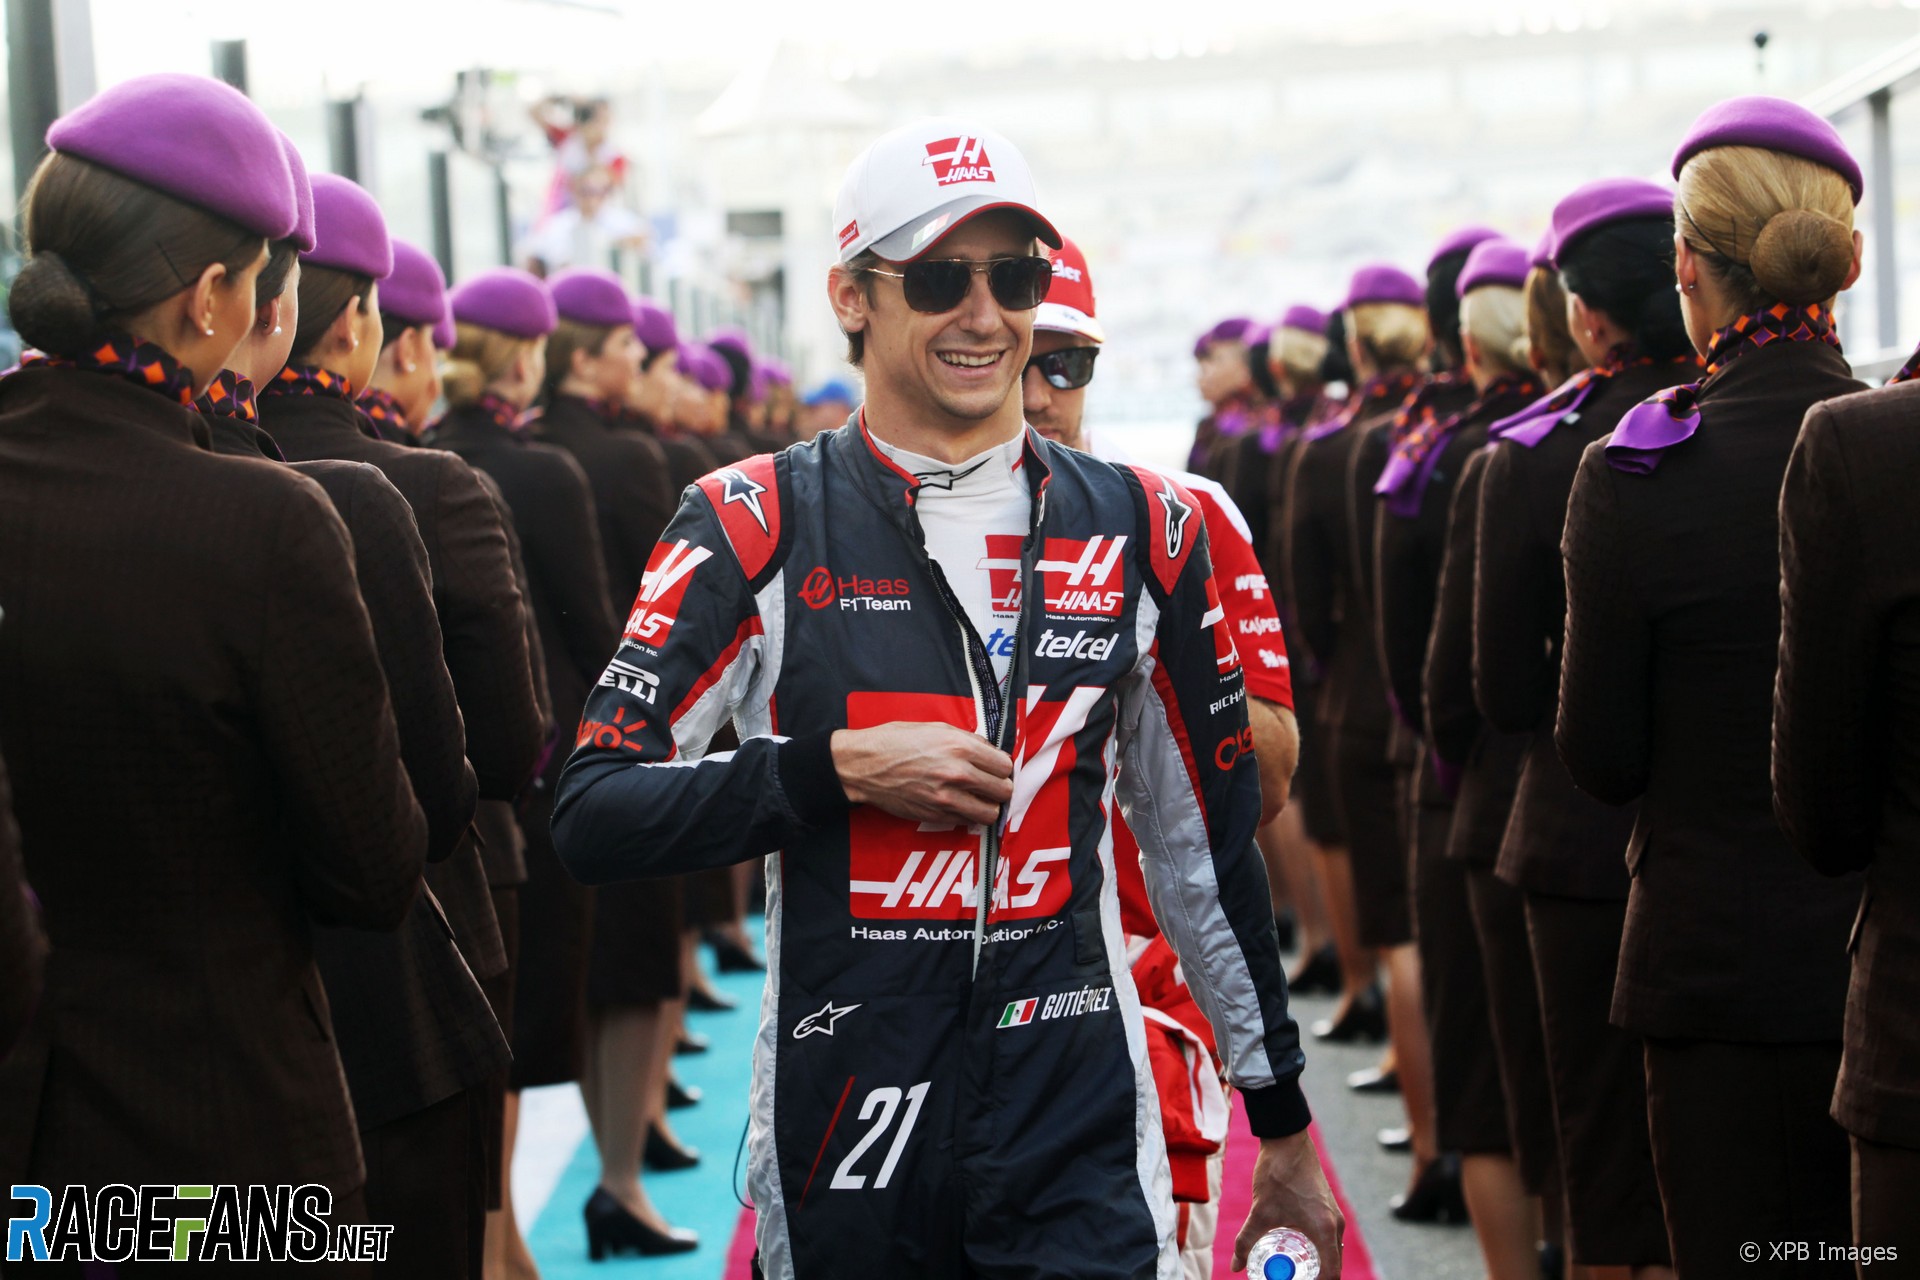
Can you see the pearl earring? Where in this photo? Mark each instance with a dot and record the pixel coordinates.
(276, 331)
(209, 331)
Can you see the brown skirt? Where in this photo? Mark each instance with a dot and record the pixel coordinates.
(550, 987)
(1747, 1152)
(1599, 1085)
(635, 958)
(1886, 1202)
(1469, 1105)
(1513, 1003)
(1366, 787)
(710, 898)
(1313, 777)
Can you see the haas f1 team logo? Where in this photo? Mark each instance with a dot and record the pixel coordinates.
(1084, 579)
(961, 159)
(669, 570)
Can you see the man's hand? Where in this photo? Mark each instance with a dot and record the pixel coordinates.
(1289, 1190)
(935, 773)
(1276, 743)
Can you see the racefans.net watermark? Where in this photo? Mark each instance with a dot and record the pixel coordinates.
(205, 1223)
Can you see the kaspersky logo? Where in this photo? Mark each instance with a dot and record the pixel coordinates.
(961, 159)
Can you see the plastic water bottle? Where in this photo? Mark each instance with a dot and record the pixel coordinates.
(1283, 1254)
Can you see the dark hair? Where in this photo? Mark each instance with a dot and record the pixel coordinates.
(1337, 367)
(1625, 270)
(324, 294)
(1257, 368)
(567, 338)
(272, 280)
(1443, 306)
(859, 265)
(104, 248)
(742, 369)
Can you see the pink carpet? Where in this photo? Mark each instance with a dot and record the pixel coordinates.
(1235, 1194)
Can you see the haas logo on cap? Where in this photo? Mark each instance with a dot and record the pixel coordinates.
(961, 159)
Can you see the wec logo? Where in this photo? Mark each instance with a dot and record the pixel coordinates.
(961, 159)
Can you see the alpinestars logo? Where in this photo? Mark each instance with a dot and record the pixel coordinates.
(1084, 579)
(1178, 514)
(821, 1023)
(661, 587)
(961, 159)
(746, 491)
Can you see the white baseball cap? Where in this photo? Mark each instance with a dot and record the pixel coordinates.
(920, 181)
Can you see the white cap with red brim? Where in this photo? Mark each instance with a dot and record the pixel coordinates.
(920, 181)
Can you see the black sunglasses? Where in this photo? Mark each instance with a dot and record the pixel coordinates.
(1068, 369)
(941, 284)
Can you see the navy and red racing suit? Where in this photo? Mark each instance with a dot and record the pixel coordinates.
(948, 1082)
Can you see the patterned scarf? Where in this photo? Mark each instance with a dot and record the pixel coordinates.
(1373, 393)
(309, 380)
(388, 417)
(1420, 440)
(140, 363)
(1908, 371)
(1654, 426)
(1536, 422)
(230, 396)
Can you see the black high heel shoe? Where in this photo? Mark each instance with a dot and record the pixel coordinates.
(612, 1230)
(691, 1042)
(700, 1000)
(664, 1155)
(730, 957)
(1365, 1019)
(1286, 929)
(681, 1096)
(1374, 1080)
(1436, 1195)
(1320, 975)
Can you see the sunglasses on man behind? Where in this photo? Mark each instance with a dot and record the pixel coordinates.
(940, 284)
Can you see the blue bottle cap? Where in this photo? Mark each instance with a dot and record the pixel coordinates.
(1278, 1267)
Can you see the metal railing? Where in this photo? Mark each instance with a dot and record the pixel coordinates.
(1872, 88)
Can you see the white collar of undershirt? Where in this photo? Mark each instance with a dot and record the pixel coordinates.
(995, 471)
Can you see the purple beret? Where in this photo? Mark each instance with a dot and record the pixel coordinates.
(350, 228)
(732, 339)
(1232, 329)
(302, 236)
(1380, 282)
(193, 138)
(1543, 251)
(1596, 204)
(1258, 333)
(507, 300)
(1777, 125)
(416, 292)
(587, 296)
(1500, 262)
(1461, 241)
(776, 372)
(706, 367)
(444, 334)
(1304, 318)
(653, 325)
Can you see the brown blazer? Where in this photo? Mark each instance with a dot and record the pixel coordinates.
(204, 762)
(632, 491)
(1666, 695)
(482, 630)
(1846, 724)
(553, 510)
(22, 945)
(411, 1023)
(1559, 839)
(1488, 761)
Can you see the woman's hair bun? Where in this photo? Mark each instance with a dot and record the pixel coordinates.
(51, 306)
(1802, 256)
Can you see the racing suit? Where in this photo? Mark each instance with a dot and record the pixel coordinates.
(951, 1077)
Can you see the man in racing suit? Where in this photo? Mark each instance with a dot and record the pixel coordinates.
(951, 1078)
(1067, 338)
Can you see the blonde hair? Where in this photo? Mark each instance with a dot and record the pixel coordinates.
(1298, 354)
(479, 358)
(1550, 345)
(1772, 227)
(1495, 317)
(1393, 334)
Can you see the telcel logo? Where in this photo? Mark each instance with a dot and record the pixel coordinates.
(1079, 645)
